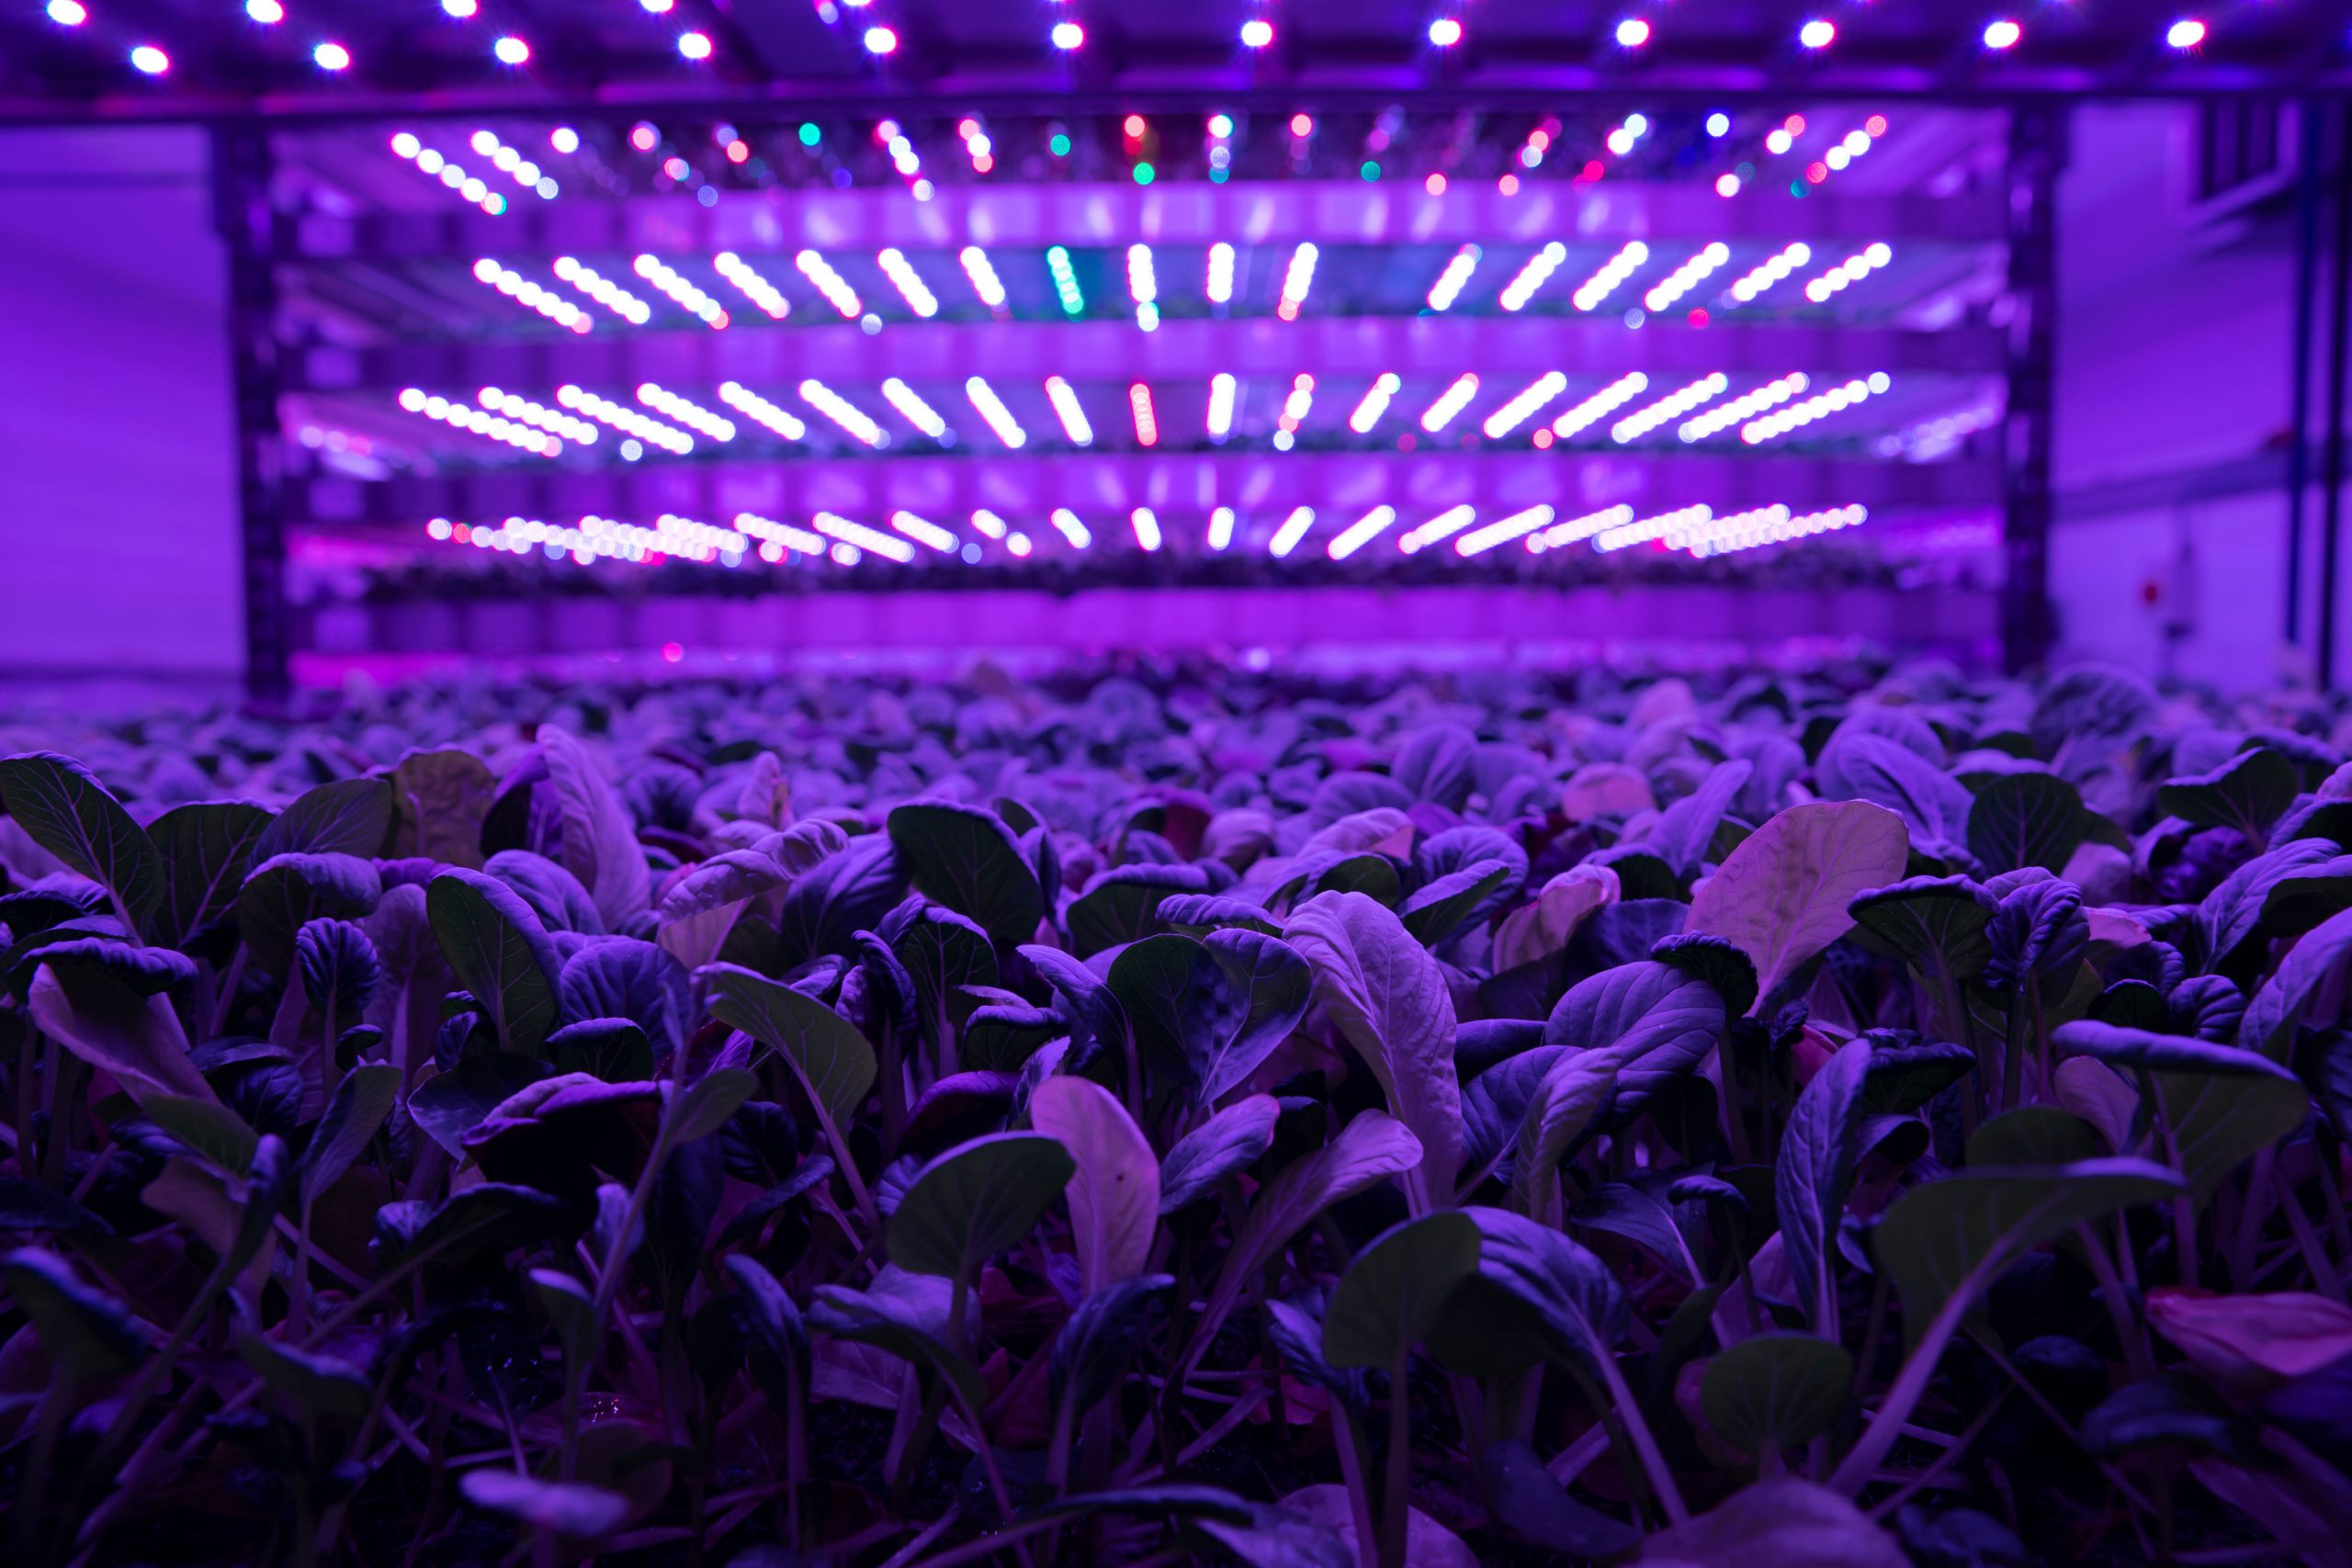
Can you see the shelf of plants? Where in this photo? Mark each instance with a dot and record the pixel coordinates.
(1217, 347)
(1170, 1113)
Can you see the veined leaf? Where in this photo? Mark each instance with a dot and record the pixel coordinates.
(1782, 896)
(1114, 1198)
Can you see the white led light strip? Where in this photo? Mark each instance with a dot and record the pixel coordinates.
(1361, 532)
(1514, 414)
(1579, 528)
(1768, 272)
(1772, 394)
(985, 282)
(626, 420)
(924, 532)
(999, 418)
(1146, 526)
(1375, 402)
(1649, 528)
(1780, 531)
(529, 412)
(831, 284)
(1220, 279)
(603, 290)
(680, 287)
(1065, 409)
(1503, 530)
(1292, 530)
(909, 283)
(1540, 266)
(465, 417)
(778, 536)
(1456, 275)
(1442, 526)
(1848, 273)
(1615, 271)
(1451, 402)
(545, 301)
(1687, 276)
(1821, 405)
(1601, 404)
(1143, 287)
(919, 414)
(843, 412)
(755, 288)
(1221, 387)
(860, 536)
(691, 414)
(1674, 405)
(744, 400)
(1066, 522)
(1296, 279)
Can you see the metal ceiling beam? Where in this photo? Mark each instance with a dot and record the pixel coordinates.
(774, 360)
(1033, 216)
(1105, 487)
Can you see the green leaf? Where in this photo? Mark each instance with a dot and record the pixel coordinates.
(1114, 1198)
(499, 951)
(707, 1104)
(1389, 998)
(1935, 923)
(1642, 1210)
(1233, 1140)
(703, 906)
(2033, 1135)
(87, 1334)
(439, 799)
(833, 1060)
(600, 843)
(975, 1200)
(135, 1037)
(28, 1206)
(906, 1315)
(573, 1309)
(1090, 1353)
(63, 808)
(313, 1383)
(775, 1339)
(1657, 1022)
(1772, 1392)
(2220, 1103)
(1529, 1503)
(1776, 1521)
(1537, 1296)
(1212, 1009)
(2308, 896)
(1951, 1236)
(450, 1104)
(488, 1216)
(1905, 1078)
(2305, 978)
(2025, 818)
(208, 1128)
(1566, 1106)
(566, 1507)
(347, 817)
(2248, 792)
(1435, 910)
(1123, 906)
(614, 1050)
(1395, 1289)
(1810, 1177)
(966, 858)
(1782, 896)
(204, 851)
(284, 893)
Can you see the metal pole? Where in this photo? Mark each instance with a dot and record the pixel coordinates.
(241, 166)
(2037, 153)
(2332, 457)
(2306, 151)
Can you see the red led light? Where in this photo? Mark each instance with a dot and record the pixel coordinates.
(1793, 125)
(1875, 125)
(673, 651)
(1507, 185)
(738, 150)
(1302, 125)
(1135, 127)
(1816, 172)
(1699, 317)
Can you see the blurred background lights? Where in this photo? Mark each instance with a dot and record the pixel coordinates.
(1818, 33)
(332, 56)
(268, 13)
(1719, 124)
(150, 59)
(1257, 33)
(2186, 33)
(1445, 32)
(659, 7)
(68, 13)
(462, 9)
(2002, 33)
(694, 46)
(1632, 32)
(1066, 36)
(880, 40)
(511, 50)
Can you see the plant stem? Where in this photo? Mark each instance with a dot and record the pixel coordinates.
(1398, 1484)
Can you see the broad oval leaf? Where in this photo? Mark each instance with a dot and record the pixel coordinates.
(965, 857)
(1233, 1140)
(65, 810)
(1657, 1022)
(832, 1060)
(1810, 1177)
(346, 817)
(977, 1200)
(1395, 1289)
(1114, 1198)
(498, 951)
(1782, 896)
(204, 851)
(1779, 1520)
(2025, 818)
(1389, 1000)
(1772, 1392)
(600, 843)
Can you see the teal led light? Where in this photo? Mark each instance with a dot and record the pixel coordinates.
(1061, 144)
(1065, 282)
(1145, 173)
(809, 134)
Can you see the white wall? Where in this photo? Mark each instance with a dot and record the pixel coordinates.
(118, 479)
(2174, 386)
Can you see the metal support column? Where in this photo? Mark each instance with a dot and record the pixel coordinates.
(2037, 155)
(2332, 454)
(2308, 113)
(241, 165)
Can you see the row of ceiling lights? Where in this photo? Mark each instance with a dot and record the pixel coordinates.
(2001, 33)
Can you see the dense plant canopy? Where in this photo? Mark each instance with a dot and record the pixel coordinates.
(1182, 1116)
